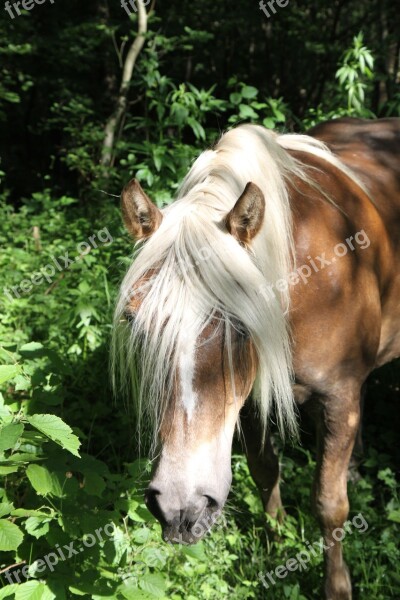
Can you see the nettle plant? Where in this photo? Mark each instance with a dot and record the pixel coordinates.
(53, 489)
(69, 526)
(63, 515)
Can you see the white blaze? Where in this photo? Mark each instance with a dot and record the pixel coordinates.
(187, 365)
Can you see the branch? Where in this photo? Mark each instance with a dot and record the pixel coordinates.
(13, 566)
(36, 238)
(121, 103)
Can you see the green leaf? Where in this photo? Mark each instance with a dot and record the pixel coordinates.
(22, 512)
(56, 430)
(134, 594)
(155, 557)
(197, 551)
(248, 91)
(154, 584)
(22, 383)
(94, 585)
(8, 470)
(20, 457)
(40, 479)
(9, 435)
(4, 410)
(5, 508)
(32, 350)
(369, 59)
(279, 115)
(8, 372)
(394, 516)
(34, 590)
(235, 98)
(141, 536)
(37, 526)
(246, 112)
(197, 128)
(6, 591)
(48, 594)
(269, 122)
(77, 592)
(10, 535)
(93, 484)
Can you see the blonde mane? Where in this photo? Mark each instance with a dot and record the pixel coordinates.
(192, 270)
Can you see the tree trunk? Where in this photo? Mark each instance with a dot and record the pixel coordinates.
(121, 103)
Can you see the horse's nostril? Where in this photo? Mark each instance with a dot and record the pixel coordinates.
(151, 499)
(211, 502)
(151, 492)
(187, 524)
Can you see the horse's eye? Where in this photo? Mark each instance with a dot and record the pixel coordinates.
(243, 332)
(128, 317)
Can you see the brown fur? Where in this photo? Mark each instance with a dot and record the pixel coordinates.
(346, 319)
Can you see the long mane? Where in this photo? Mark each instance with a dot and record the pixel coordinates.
(192, 270)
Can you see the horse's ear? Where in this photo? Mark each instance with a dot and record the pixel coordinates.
(141, 217)
(245, 219)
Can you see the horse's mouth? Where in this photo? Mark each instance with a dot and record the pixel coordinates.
(189, 533)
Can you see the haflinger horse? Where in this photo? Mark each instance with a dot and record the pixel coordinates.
(273, 277)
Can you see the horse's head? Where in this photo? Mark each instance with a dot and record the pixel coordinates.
(192, 476)
(199, 368)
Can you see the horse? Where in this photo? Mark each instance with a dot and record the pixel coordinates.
(272, 281)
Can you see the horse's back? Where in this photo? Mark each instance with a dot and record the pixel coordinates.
(372, 150)
(345, 129)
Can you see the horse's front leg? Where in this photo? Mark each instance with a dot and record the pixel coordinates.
(337, 426)
(263, 464)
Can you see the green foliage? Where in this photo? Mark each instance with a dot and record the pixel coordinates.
(69, 473)
(271, 113)
(354, 77)
(50, 383)
(355, 74)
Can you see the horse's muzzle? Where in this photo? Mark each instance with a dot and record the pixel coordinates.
(183, 525)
